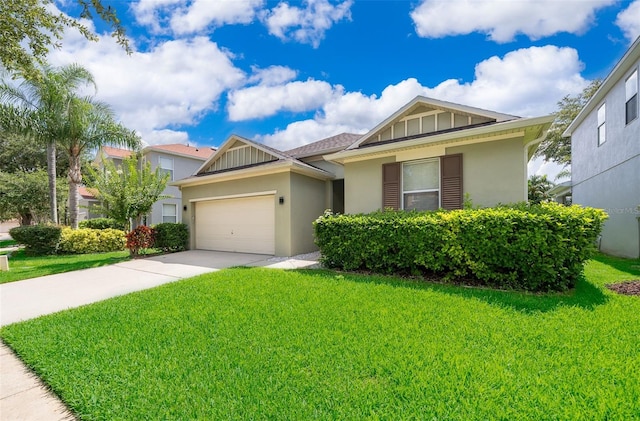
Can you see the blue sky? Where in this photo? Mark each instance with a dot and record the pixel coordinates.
(288, 73)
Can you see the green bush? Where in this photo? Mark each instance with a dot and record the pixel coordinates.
(101, 224)
(534, 248)
(172, 237)
(87, 240)
(38, 239)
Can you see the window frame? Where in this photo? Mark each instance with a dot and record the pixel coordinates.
(174, 216)
(628, 99)
(438, 190)
(602, 125)
(163, 169)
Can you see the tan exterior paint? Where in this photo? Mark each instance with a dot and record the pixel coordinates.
(280, 183)
(307, 202)
(363, 185)
(493, 172)
(304, 200)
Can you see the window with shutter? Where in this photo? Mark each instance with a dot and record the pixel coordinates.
(451, 181)
(391, 186)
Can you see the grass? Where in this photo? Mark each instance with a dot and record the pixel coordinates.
(266, 344)
(25, 267)
(8, 243)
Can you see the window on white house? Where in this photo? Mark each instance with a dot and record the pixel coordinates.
(421, 184)
(169, 213)
(631, 97)
(602, 128)
(166, 166)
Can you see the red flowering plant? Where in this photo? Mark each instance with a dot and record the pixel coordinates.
(143, 237)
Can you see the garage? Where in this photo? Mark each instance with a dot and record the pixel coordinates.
(245, 224)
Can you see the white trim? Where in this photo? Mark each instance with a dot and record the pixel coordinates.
(234, 196)
(175, 215)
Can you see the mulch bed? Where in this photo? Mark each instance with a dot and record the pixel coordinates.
(626, 288)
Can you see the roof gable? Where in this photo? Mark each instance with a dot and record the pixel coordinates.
(238, 152)
(426, 116)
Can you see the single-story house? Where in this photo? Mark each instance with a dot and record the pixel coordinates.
(430, 154)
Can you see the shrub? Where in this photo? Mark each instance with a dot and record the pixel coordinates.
(534, 248)
(172, 237)
(37, 239)
(143, 237)
(101, 224)
(87, 240)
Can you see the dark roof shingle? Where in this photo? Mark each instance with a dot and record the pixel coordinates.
(331, 144)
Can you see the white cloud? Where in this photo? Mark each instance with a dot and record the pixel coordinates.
(527, 82)
(201, 14)
(272, 75)
(629, 21)
(307, 25)
(165, 137)
(502, 20)
(173, 84)
(263, 101)
(193, 16)
(152, 13)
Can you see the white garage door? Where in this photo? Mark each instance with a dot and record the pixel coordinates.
(242, 225)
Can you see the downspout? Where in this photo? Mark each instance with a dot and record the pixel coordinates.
(528, 146)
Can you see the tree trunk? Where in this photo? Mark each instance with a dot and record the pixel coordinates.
(51, 172)
(75, 178)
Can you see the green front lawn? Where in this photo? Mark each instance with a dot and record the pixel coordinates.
(8, 243)
(268, 344)
(25, 267)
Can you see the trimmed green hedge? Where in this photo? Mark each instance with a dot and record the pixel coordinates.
(87, 240)
(534, 248)
(38, 240)
(171, 236)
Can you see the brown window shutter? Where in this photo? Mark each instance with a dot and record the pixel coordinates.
(451, 181)
(391, 186)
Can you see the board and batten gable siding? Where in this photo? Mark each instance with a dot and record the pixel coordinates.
(450, 183)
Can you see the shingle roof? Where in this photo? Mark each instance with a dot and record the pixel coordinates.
(112, 152)
(202, 153)
(330, 144)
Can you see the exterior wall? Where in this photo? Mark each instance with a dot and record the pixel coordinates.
(183, 167)
(493, 172)
(363, 185)
(280, 183)
(608, 176)
(307, 204)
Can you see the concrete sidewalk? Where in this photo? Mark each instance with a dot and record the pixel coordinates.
(22, 394)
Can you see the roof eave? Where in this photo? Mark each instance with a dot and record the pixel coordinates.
(462, 134)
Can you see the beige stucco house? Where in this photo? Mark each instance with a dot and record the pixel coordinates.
(430, 154)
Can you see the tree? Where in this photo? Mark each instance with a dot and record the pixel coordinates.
(89, 125)
(30, 28)
(539, 188)
(37, 108)
(21, 153)
(23, 196)
(127, 192)
(554, 147)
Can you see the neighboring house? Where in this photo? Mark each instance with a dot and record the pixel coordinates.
(178, 160)
(87, 204)
(248, 197)
(561, 193)
(605, 156)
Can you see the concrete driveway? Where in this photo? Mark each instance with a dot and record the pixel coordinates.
(22, 395)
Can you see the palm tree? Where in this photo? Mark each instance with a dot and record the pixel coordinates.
(37, 107)
(89, 125)
(539, 187)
